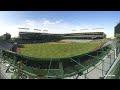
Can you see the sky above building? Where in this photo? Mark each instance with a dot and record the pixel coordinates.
(59, 21)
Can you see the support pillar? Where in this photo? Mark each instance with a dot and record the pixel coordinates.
(61, 70)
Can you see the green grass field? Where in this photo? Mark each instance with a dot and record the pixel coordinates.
(46, 50)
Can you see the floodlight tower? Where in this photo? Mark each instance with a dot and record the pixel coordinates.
(37, 29)
(101, 29)
(83, 29)
(45, 31)
(73, 31)
(24, 29)
(97, 28)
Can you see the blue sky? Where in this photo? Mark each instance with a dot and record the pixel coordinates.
(58, 21)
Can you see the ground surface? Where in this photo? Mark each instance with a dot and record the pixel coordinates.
(58, 49)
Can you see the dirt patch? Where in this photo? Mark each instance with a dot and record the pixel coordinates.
(98, 42)
(58, 42)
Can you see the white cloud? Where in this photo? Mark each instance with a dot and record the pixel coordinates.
(29, 23)
(110, 34)
(58, 26)
(13, 30)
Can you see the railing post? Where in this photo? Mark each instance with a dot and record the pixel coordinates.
(115, 53)
(102, 68)
(61, 69)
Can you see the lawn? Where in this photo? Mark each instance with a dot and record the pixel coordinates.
(46, 50)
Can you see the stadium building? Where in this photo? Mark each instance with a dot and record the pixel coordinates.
(117, 31)
(54, 64)
(44, 37)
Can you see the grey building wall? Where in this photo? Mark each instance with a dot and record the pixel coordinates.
(117, 31)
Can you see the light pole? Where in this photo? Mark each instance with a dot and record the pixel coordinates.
(45, 30)
(37, 29)
(24, 29)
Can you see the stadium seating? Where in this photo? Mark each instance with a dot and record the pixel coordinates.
(69, 66)
(5, 45)
(28, 37)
